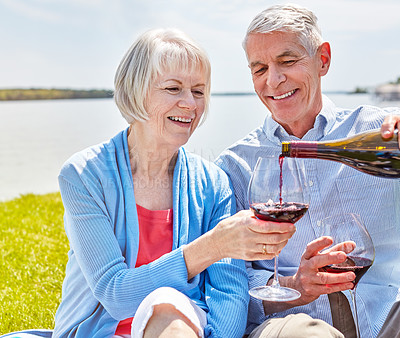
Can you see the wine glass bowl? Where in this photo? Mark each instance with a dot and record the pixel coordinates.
(349, 235)
(345, 229)
(277, 193)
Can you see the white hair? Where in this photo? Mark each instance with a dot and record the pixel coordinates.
(154, 52)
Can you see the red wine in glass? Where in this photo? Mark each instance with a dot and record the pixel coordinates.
(358, 265)
(280, 212)
(349, 227)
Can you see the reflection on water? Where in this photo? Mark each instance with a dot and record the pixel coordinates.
(36, 137)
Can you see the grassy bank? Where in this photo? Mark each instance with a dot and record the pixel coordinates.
(33, 255)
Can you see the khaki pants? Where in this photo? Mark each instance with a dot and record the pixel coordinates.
(303, 326)
(298, 325)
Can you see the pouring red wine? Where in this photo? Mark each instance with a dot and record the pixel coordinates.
(277, 194)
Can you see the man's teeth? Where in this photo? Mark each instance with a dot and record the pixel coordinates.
(284, 95)
(180, 119)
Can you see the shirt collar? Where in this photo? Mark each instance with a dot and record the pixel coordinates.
(324, 122)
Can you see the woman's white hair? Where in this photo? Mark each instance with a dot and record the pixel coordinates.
(153, 53)
(288, 18)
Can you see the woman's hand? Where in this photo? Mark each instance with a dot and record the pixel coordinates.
(243, 236)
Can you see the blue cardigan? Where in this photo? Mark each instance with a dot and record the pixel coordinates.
(101, 286)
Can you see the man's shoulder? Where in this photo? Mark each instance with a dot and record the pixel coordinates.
(373, 112)
(255, 136)
(364, 117)
(239, 159)
(253, 139)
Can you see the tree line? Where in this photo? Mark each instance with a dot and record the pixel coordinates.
(52, 94)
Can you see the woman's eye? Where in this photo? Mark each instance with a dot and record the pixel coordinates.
(172, 89)
(198, 93)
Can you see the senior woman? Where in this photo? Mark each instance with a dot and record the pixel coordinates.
(148, 223)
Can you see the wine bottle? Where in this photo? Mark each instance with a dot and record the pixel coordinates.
(367, 152)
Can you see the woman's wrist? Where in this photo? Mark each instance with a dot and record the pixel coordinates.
(215, 246)
(200, 254)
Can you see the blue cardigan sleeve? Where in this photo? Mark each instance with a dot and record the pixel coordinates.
(226, 285)
(227, 299)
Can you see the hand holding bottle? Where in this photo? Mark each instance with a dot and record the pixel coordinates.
(368, 151)
(389, 124)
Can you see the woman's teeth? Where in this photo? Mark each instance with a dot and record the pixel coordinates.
(179, 119)
(284, 95)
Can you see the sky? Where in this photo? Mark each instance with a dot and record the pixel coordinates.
(79, 43)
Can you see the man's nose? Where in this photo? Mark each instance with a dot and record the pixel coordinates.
(275, 77)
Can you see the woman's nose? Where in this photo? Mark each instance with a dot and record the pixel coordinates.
(187, 100)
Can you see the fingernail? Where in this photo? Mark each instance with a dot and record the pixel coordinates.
(386, 133)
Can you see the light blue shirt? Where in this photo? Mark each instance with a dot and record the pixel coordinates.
(334, 188)
(102, 285)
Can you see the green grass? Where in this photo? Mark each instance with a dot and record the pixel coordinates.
(33, 255)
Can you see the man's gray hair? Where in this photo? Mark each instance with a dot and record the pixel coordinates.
(288, 18)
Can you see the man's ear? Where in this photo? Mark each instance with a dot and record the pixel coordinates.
(324, 54)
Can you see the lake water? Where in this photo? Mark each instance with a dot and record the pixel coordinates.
(36, 137)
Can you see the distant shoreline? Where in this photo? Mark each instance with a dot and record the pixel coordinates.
(18, 94)
(53, 94)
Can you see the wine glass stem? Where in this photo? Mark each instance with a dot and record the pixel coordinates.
(275, 282)
(353, 301)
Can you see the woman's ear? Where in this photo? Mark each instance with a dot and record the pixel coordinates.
(324, 53)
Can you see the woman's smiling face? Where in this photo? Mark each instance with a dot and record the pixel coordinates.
(175, 104)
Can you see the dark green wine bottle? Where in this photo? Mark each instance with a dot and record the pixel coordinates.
(367, 152)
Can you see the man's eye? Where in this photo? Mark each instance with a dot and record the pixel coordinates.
(259, 71)
(289, 62)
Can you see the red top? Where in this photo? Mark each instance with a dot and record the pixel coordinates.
(155, 240)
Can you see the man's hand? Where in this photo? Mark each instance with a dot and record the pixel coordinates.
(389, 124)
(310, 278)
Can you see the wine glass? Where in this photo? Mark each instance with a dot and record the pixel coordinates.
(277, 193)
(349, 235)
